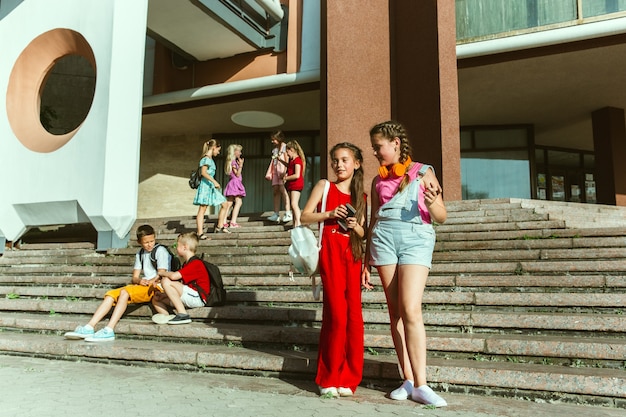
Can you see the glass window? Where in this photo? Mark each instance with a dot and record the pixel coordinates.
(540, 157)
(466, 140)
(589, 161)
(558, 188)
(479, 18)
(564, 159)
(495, 174)
(600, 7)
(505, 138)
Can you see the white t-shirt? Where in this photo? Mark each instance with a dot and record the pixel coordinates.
(162, 261)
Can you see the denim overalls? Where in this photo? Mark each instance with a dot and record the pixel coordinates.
(399, 235)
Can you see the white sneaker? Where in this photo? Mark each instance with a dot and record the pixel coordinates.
(273, 217)
(162, 318)
(287, 217)
(402, 392)
(329, 392)
(427, 396)
(345, 392)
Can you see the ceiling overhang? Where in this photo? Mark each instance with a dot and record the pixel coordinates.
(201, 30)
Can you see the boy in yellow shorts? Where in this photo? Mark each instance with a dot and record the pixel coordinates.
(140, 291)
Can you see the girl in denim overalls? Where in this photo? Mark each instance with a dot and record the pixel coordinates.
(406, 197)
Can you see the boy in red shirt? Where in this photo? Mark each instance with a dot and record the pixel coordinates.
(185, 288)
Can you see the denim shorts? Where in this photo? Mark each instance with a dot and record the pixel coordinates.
(402, 243)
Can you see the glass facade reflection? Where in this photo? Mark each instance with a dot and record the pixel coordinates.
(495, 162)
(485, 19)
(496, 175)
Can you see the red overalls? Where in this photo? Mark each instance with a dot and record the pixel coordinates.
(340, 352)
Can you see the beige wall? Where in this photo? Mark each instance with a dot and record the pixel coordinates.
(165, 166)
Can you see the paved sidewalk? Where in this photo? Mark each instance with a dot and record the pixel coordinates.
(32, 387)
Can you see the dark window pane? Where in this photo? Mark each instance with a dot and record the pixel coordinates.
(564, 159)
(509, 138)
(466, 140)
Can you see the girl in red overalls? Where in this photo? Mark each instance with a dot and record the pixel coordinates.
(340, 355)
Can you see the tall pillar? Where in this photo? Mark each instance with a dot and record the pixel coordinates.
(354, 77)
(425, 85)
(609, 141)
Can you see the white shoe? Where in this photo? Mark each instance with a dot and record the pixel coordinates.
(427, 396)
(162, 318)
(273, 217)
(329, 392)
(402, 392)
(345, 392)
(287, 217)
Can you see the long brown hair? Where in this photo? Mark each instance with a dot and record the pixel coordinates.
(293, 144)
(391, 130)
(357, 195)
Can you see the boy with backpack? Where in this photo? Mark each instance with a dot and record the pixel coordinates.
(150, 260)
(189, 287)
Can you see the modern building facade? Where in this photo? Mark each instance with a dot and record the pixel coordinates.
(505, 98)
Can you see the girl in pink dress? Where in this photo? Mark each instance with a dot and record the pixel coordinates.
(234, 191)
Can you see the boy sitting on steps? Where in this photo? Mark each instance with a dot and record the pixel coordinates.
(140, 291)
(183, 288)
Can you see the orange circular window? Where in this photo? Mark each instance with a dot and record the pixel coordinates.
(51, 89)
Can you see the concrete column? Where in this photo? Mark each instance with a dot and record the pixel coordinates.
(609, 141)
(355, 76)
(425, 85)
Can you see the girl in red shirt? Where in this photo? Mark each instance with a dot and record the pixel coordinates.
(294, 178)
(340, 352)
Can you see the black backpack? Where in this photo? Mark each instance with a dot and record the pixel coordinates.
(195, 178)
(174, 260)
(217, 293)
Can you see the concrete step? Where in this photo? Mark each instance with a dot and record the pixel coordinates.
(307, 313)
(560, 350)
(258, 295)
(608, 385)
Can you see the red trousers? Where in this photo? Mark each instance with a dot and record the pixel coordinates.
(340, 352)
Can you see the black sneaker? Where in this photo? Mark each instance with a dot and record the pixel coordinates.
(180, 319)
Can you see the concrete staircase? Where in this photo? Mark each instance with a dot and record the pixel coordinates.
(517, 304)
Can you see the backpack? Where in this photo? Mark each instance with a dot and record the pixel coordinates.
(174, 260)
(217, 294)
(195, 178)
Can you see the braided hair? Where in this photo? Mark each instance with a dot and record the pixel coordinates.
(391, 130)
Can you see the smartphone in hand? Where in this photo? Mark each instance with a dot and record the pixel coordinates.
(351, 213)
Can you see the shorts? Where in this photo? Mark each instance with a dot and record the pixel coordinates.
(396, 242)
(191, 298)
(138, 293)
